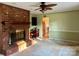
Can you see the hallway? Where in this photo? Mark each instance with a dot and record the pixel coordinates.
(48, 48)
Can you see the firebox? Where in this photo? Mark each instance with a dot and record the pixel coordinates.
(15, 36)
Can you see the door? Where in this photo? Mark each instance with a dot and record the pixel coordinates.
(45, 27)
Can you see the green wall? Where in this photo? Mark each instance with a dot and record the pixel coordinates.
(63, 25)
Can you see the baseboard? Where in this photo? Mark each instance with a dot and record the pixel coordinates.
(65, 42)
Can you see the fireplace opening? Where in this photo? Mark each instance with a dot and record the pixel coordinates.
(15, 36)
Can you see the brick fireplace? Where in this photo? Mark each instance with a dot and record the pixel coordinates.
(14, 30)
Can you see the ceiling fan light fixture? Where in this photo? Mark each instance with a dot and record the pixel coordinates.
(45, 7)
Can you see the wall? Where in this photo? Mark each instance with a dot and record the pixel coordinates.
(39, 26)
(63, 25)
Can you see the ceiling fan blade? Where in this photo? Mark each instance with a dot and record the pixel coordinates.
(51, 5)
(37, 9)
(42, 11)
(48, 8)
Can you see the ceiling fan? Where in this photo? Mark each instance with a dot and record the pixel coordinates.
(43, 7)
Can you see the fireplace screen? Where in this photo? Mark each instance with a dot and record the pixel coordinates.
(20, 35)
(16, 36)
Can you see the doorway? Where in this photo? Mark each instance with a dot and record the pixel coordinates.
(45, 27)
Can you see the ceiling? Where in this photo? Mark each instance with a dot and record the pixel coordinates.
(61, 6)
